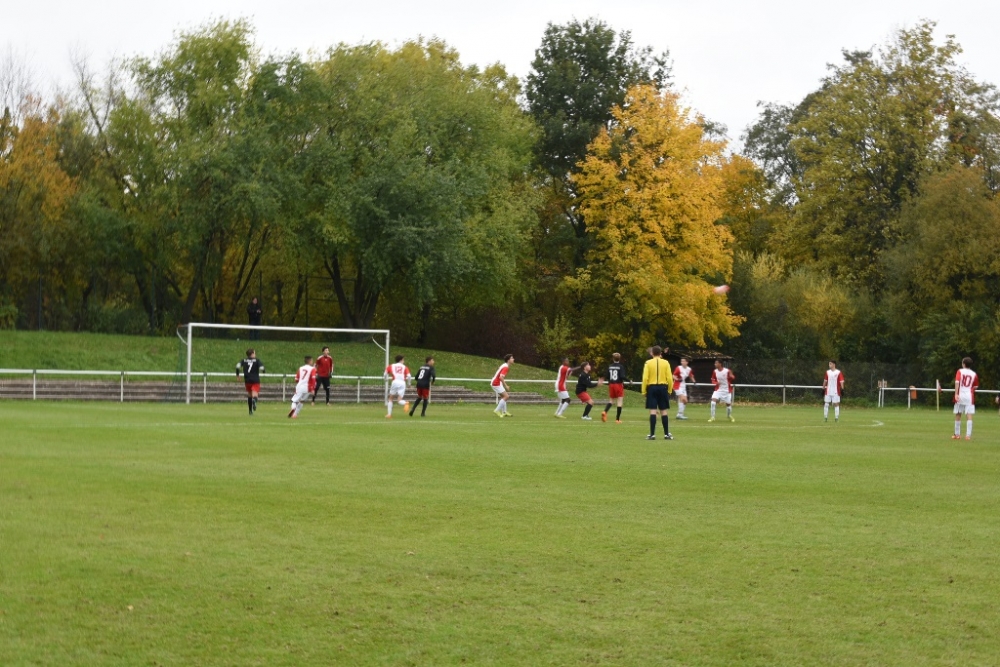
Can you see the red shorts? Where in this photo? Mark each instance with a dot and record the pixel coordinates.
(423, 393)
(253, 386)
(584, 397)
(616, 391)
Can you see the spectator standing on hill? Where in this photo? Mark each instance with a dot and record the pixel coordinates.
(255, 315)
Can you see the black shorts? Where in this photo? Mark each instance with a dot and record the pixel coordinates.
(658, 397)
(322, 382)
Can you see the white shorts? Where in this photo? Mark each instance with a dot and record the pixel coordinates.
(681, 391)
(397, 388)
(498, 389)
(563, 395)
(301, 397)
(965, 408)
(722, 397)
(827, 398)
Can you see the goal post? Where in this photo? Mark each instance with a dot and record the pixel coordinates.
(313, 334)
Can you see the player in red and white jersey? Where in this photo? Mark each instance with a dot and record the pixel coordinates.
(304, 377)
(833, 389)
(966, 383)
(499, 385)
(400, 376)
(683, 374)
(725, 383)
(562, 391)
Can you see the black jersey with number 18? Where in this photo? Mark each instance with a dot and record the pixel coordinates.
(616, 374)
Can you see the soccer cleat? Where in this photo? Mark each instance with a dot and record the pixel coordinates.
(650, 437)
(587, 418)
(668, 436)
(507, 414)
(732, 419)
(968, 437)
(388, 416)
(604, 416)
(956, 437)
(560, 416)
(712, 419)
(682, 418)
(618, 421)
(406, 406)
(498, 414)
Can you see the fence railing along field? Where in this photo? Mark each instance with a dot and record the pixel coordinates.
(366, 388)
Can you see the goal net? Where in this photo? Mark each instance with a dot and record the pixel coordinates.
(208, 354)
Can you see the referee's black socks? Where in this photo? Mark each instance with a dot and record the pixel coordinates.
(666, 425)
(652, 424)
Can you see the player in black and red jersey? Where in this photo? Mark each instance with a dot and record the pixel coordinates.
(425, 378)
(584, 384)
(251, 367)
(616, 387)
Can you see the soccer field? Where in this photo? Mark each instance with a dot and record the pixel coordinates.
(172, 535)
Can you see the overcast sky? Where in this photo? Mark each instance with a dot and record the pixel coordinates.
(728, 54)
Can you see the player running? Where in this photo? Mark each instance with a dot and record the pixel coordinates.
(561, 391)
(833, 388)
(500, 388)
(251, 367)
(400, 376)
(683, 374)
(616, 387)
(966, 383)
(583, 384)
(724, 382)
(303, 378)
(324, 371)
(426, 377)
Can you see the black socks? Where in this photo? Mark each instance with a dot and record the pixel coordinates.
(652, 424)
(586, 410)
(250, 404)
(608, 409)
(618, 417)
(666, 427)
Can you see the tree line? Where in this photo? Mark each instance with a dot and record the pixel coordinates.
(584, 209)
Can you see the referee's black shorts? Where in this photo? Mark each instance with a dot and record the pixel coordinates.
(658, 397)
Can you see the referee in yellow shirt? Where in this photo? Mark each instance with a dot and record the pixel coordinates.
(656, 381)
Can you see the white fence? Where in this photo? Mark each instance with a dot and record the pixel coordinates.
(911, 393)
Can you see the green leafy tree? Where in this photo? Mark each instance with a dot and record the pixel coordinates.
(945, 275)
(417, 176)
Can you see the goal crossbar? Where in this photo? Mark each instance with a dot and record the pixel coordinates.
(191, 326)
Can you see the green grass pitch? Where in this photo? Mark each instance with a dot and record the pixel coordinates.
(172, 535)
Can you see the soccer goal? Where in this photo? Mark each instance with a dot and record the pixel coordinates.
(208, 354)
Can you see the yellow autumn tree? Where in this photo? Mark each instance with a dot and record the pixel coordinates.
(652, 190)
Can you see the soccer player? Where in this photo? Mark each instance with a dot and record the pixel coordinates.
(426, 376)
(500, 388)
(682, 375)
(833, 387)
(724, 382)
(400, 376)
(324, 371)
(251, 368)
(583, 385)
(616, 387)
(303, 378)
(656, 388)
(561, 391)
(966, 383)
